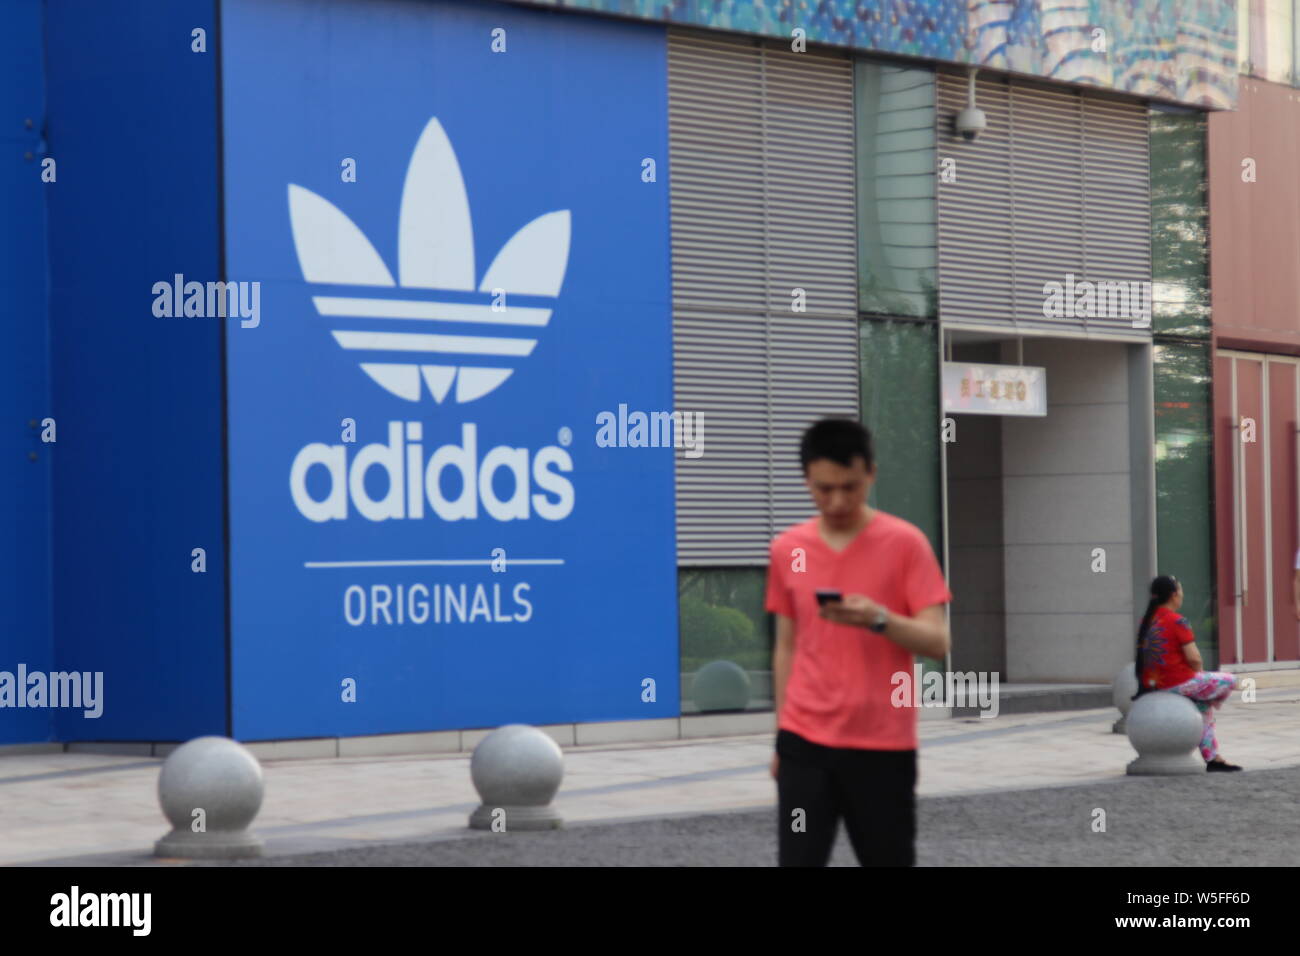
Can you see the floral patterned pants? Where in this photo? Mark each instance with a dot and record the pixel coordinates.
(1208, 690)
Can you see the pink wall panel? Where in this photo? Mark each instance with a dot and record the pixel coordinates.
(1224, 519)
(1282, 495)
(1254, 615)
(1255, 226)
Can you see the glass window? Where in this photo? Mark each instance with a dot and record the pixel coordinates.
(1265, 39)
(1243, 36)
(1179, 241)
(900, 406)
(1295, 46)
(722, 619)
(1184, 506)
(1278, 62)
(895, 116)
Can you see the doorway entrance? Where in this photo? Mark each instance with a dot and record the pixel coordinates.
(1049, 519)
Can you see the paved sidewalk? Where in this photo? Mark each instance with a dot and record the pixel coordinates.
(90, 808)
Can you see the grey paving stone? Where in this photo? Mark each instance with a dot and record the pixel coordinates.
(1238, 819)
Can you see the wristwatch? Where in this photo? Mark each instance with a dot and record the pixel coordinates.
(880, 623)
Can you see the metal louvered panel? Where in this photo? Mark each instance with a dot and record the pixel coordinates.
(715, 123)
(810, 189)
(975, 235)
(814, 373)
(1047, 208)
(762, 191)
(1057, 186)
(720, 369)
(1117, 198)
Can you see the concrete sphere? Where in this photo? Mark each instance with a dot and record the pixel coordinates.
(215, 774)
(221, 778)
(1124, 687)
(1165, 729)
(721, 685)
(517, 766)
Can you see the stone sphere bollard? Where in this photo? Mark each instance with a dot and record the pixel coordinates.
(516, 770)
(1123, 688)
(721, 685)
(1165, 729)
(210, 789)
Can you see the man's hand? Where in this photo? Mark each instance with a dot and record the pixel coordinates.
(926, 634)
(855, 610)
(776, 764)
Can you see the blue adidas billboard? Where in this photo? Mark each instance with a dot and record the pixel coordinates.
(460, 265)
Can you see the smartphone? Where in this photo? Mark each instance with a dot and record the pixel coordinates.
(825, 596)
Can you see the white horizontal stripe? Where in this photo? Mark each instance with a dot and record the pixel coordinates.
(414, 342)
(444, 311)
(422, 564)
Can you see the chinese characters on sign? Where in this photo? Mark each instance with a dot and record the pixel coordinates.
(994, 389)
(1014, 390)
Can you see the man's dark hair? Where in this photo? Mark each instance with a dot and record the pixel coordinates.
(839, 439)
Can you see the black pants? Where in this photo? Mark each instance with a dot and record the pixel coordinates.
(874, 790)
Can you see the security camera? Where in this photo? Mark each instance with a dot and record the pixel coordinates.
(969, 123)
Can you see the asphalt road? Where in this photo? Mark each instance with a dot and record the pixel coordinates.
(1237, 819)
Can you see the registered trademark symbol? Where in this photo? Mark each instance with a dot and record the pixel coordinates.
(566, 436)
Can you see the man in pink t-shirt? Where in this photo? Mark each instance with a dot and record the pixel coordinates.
(842, 747)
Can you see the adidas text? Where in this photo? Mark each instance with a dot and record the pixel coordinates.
(412, 480)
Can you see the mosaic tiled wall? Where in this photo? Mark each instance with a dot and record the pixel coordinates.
(1179, 50)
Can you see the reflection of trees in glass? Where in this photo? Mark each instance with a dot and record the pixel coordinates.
(1179, 216)
(1184, 490)
(900, 405)
(1183, 432)
(882, 299)
(930, 289)
(875, 296)
(722, 617)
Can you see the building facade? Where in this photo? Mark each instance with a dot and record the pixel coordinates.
(1255, 244)
(425, 365)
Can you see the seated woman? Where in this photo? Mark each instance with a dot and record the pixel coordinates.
(1167, 659)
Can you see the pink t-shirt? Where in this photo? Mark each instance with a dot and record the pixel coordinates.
(841, 678)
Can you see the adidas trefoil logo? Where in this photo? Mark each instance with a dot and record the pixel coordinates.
(435, 252)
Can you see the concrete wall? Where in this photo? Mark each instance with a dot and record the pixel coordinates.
(1066, 490)
(975, 533)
